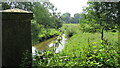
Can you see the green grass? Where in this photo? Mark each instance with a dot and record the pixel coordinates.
(88, 50)
(80, 41)
(85, 49)
(70, 29)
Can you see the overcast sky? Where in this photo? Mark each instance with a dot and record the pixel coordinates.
(71, 6)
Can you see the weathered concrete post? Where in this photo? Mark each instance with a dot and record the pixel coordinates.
(0, 40)
(16, 37)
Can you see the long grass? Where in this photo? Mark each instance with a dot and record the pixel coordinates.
(85, 49)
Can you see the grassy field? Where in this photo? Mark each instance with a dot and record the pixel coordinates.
(85, 49)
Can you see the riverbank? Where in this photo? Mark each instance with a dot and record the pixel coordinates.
(44, 45)
(86, 49)
(56, 44)
(44, 34)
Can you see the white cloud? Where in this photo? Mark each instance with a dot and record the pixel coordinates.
(71, 6)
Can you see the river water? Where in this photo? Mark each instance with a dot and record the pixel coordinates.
(50, 43)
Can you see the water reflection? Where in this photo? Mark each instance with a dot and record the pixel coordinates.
(60, 45)
(33, 50)
(51, 43)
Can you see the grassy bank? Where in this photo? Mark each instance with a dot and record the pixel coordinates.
(85, 49)
(40, 33)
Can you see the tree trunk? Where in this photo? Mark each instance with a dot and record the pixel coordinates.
(102, 33)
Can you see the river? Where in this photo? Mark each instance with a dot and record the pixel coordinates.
(50, 43)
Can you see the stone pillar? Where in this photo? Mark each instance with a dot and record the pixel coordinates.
(16, 37)
(0, 40)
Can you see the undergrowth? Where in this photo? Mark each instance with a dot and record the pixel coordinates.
(83, 49)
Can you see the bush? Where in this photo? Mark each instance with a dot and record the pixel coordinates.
(85, 56)
(70, 29)
(91, 28)
(39, 33)
(70, 32)
(85, 49)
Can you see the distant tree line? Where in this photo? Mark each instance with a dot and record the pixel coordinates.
(66, 17)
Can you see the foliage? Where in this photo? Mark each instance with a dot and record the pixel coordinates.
(48, 23)
(88, 47)
(84, 49)
(28, 6)
(39, 33)
(90, 27)
(44, 17)
(68, 30)
(44, 24)
(66, 17)
(103, 13)
(84, 46)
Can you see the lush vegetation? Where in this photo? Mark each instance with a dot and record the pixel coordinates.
(67, 18)
(84, 49)
(46, 20)
(91, 42)
(39, 33)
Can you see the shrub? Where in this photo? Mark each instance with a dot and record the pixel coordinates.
(70, 32)
(70, 29)
(91, 28)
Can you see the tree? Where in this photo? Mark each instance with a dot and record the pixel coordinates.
(106, 12)
(73, 20)
(66, 17)
(103, 13)
(21, 5)
(43, 18)
(77, 17)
